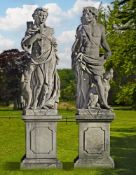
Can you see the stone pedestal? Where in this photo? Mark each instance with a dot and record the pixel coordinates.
(40, 139)
(94, 138)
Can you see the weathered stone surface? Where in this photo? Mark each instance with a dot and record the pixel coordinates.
(40, 112)
(94, 114)
(41, 118)
(94, 139)
(28, 163)
(40, 141)
(93, 82)
(40, 80)
(40, 93)
(44, 144)
(98, 163)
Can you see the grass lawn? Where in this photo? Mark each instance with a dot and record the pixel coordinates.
(123, 145)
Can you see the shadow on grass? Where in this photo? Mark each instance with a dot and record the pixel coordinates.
(68, 165)
(124, 130)
(12, 166)
(124, 151)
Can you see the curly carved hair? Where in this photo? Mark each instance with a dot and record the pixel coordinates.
(93, 10)
(38, 11)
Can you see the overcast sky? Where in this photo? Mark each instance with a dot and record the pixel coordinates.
(64, 17)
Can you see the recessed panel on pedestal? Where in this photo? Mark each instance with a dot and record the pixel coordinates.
(94, 140)
(41, 140)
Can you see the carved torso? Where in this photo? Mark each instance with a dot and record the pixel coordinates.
(90, 37)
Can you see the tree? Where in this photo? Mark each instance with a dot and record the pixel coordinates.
(12, 64)
(67, 86)
(122, 37)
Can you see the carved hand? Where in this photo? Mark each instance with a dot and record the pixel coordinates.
(33, 31)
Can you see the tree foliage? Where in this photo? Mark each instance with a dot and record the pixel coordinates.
(12, 64)
(67, 86)
(121, 27)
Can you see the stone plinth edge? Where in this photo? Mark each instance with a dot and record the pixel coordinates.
(46, 118)
(40, 112)
(39, 163)
(94, 163)
(94, 115)
(94, 138)
(41, 144)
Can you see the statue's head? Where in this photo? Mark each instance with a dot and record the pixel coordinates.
(90, 14)
(40, 15)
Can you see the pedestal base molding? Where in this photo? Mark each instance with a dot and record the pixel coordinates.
(94, 138)
(40, 139)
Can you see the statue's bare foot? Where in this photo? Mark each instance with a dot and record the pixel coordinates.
(27, 107)
(33, 107)
(48, 107)
(45, 107)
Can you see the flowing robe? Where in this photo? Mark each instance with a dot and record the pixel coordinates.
(44, 79)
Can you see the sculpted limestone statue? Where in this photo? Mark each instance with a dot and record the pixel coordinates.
(40, 80)
(87, 62)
